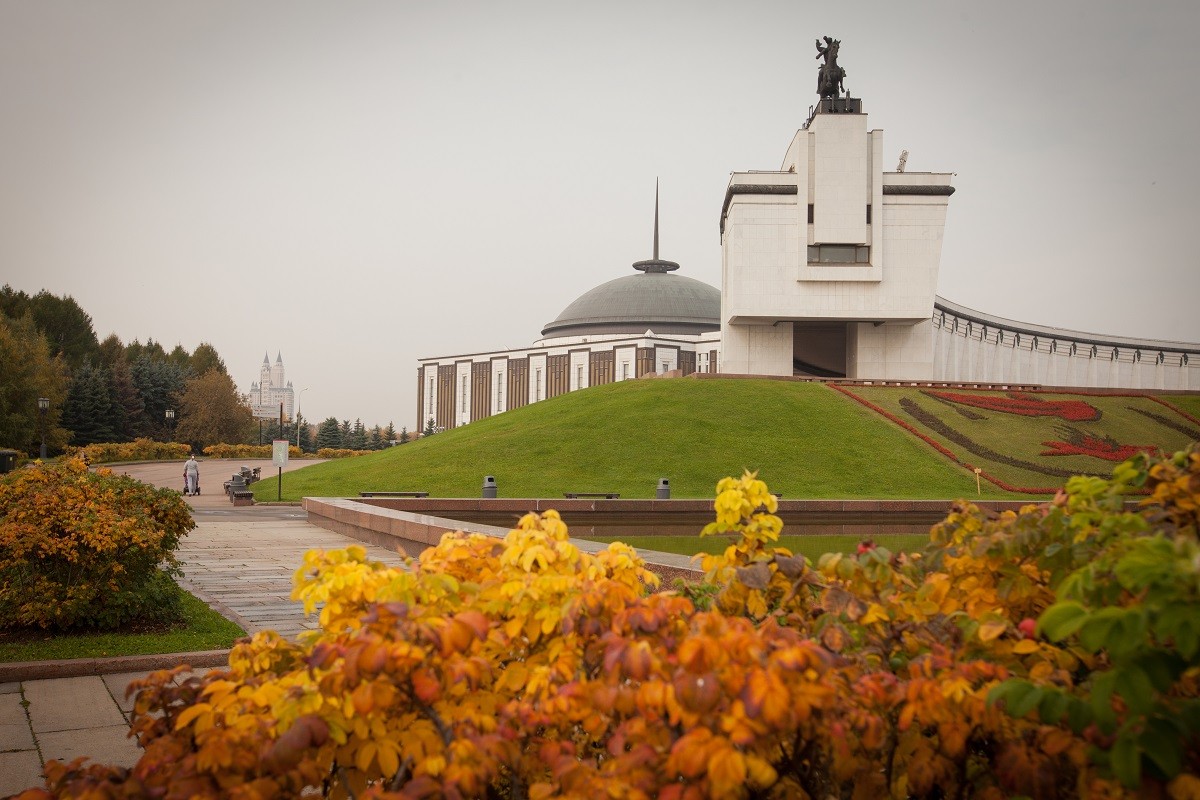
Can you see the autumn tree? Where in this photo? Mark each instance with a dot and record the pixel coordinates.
(205, 358)
(66, 326)
(29, 371)
(211, 411)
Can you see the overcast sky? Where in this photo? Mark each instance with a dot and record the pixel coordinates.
(359, 184)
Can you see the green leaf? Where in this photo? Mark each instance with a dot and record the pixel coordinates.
(1024, 703)
(1079, 714)
(1126, 761)
(1135, 688)
(1006, 689)
(1162, 744)
(1094, 633)
(1053, 706)
(1061, 620)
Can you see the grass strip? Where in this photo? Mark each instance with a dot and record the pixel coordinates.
(201, 629)
(811, 547)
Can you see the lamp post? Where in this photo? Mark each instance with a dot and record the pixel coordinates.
(299, 397)
(170, 416)
(43, 407)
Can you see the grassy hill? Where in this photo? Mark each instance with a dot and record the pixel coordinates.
(806, 440)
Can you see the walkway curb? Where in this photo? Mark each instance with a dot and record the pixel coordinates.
(77, 667)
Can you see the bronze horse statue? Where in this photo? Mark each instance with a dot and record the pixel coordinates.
(829, 75)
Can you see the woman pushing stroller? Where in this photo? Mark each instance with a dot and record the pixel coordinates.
(191, 477)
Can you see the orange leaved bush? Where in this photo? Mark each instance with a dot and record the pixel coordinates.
(525, 668)
(82, 549)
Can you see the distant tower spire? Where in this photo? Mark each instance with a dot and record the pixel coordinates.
(656, 219)
(655, 264)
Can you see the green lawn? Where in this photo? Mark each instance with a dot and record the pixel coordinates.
(812, 547)
(202, 629)
(805, 440)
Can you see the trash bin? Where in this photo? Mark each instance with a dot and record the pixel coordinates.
(664, 489)
(489, 486)
(8, 461)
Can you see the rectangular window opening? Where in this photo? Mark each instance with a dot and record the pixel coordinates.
(839, 254)
(868, 213)
(810, 214)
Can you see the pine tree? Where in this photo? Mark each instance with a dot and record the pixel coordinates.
(358, 436)
(404, 435)
(375, 440)
(127, 403)
(88, 411)
(429, 429)
(329, 434)
(347, 435)
(305, 436)
(389, 434)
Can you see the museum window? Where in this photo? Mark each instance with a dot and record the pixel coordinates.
(537, 385)
(624, 370)
(579, 377)
(839, 254)
(810, 213)
(464, 393)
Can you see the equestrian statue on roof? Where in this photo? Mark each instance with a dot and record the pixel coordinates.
(829, 74)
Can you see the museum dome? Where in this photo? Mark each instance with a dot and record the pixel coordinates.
(655, 300)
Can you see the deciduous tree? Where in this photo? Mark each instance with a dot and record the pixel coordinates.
(211, 411)
(28, 371)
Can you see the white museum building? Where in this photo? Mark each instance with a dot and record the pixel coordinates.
(829, 270)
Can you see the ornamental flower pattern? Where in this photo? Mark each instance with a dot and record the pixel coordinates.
(1078, 443)
(1024, 404)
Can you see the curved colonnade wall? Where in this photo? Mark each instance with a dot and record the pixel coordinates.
(973, 347)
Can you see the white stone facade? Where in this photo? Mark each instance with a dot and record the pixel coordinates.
(271, 390)
(829, 269)
(457, 390)
(831, 238)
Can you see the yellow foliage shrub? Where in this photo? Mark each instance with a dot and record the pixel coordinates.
(86, 549)
(526, 668)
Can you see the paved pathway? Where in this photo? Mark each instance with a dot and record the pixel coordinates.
(240, 561)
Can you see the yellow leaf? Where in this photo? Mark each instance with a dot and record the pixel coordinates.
(389, 758)
(190, 713)
(365, 755)
(1025, 646)
(992, 629)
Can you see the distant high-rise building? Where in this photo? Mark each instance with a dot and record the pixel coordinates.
(271, 390)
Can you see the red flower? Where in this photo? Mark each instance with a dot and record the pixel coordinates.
(1024, 404)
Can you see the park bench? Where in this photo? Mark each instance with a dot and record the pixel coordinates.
(393, 494)
(597, 495)
(241, 497)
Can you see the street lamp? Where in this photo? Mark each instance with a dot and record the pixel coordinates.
(299, 397)
(170, 416)
(43, 407)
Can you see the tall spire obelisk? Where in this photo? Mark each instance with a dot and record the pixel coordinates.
(655, 264)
